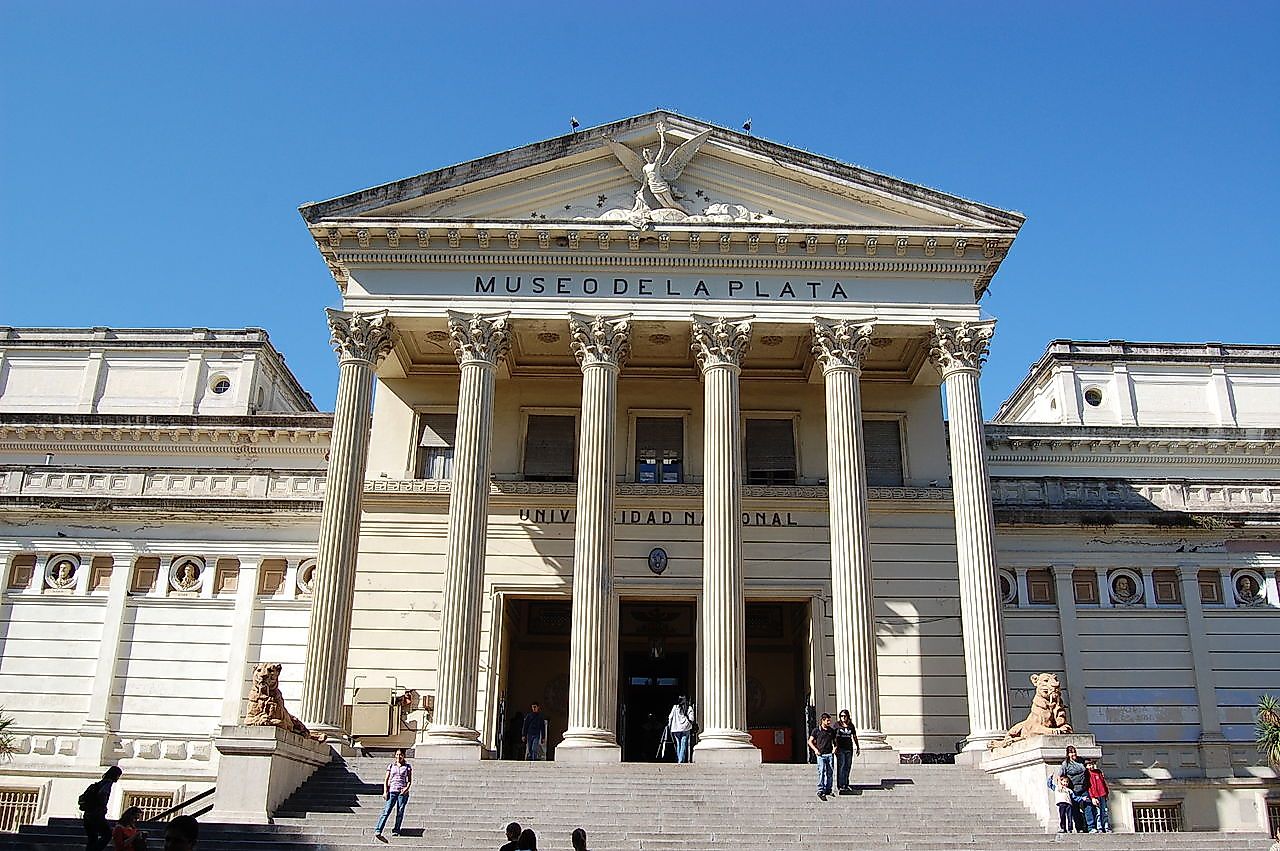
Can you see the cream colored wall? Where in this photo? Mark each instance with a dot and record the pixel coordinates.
(397, 401)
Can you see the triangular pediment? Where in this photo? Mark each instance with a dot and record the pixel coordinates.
(732, 178)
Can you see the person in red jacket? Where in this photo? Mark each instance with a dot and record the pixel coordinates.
(1098, 797)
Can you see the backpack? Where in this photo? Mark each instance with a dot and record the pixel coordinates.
(88, 798)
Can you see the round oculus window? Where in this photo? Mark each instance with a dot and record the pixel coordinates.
(220, 384)
(1093, 396)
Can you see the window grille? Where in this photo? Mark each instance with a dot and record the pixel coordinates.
(1273, 816)
(882, 441)
(1157, 818)
(152, 804)
(549, 448)
(659, 450)
(435, 446)
(770, 452)
(18, 807)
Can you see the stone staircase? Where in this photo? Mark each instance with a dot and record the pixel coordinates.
(655, 808)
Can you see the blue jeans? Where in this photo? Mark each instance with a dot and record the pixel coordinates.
(1102, 816)
(533, 747)
(826, 767)
(844, 762)
(399, 800)
(682, 745)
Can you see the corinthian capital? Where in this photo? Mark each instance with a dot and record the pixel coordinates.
(479, 337)
(954, 346)
(600, 339)
(720, 340)
(360, 336)
(841, 343)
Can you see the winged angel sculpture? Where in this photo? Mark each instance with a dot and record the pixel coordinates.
(657, 173)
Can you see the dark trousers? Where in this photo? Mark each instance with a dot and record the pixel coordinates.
(96, 831)
(1064, 816)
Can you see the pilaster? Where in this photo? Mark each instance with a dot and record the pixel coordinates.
(958, 350)
(361, 340)
(601, 345)
(238, 651)
(1215, 752)
(480, 343)
(841, 347)
(97, 739)
(1069, 628)
(719, 344)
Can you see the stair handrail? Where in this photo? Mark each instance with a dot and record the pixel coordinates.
(183, 805)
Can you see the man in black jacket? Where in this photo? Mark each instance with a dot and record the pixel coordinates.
(93, 802)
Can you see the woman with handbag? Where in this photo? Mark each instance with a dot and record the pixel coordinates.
(681, 724)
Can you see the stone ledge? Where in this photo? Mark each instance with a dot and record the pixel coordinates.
(259, 768)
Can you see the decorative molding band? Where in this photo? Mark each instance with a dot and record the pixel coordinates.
(1117, 458)
(167, 485)
(629, 490)
(595, 260)
(229, 450)
(1135, 495)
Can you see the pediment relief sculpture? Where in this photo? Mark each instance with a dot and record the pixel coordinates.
(658, 199)
(1048, 715)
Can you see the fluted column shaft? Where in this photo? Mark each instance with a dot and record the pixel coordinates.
(841, 347)
(480, 343)
(719, 345)
(601, 345)
(361, 341)
(958, 351)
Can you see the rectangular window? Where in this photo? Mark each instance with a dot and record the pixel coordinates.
(18, 807)
(152, 804)
(435, 446)
(1157, 818)
(549, 447)
(1040, 587)
(1085, 585)
(1168, 588)
(770, 452)
(882, 441)
(659, 450)
(1210, 582)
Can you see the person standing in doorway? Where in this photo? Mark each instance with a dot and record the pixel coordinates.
(534, 732)
(680, 723)
(93, 803)
(395, 790)
(822, 741)
(847, 747)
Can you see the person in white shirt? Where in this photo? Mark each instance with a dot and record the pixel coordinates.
(680, 723)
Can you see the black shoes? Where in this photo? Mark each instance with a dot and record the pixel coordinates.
(822, 796)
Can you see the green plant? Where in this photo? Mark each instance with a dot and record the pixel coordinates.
(1268, 727)
(6, 738)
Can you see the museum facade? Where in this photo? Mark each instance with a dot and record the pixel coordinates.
(651, 410)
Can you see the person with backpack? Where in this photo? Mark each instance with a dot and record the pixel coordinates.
(680, 723)
(93, 803)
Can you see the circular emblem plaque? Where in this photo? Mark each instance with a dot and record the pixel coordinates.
(658, 560)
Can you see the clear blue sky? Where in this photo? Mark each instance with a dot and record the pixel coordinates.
(153, 155)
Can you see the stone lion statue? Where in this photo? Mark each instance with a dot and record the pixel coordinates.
(266, 704)
(1048, 715)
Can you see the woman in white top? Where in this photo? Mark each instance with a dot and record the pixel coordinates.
(680, 723)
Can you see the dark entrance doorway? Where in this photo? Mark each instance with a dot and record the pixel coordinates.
(778, 671)
(537, 670)
(656, 649)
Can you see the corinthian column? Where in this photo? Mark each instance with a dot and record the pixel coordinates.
(361, 341)
(601, 345)
(841, 347)
(480, 343)
(718, 345)
(958, 350)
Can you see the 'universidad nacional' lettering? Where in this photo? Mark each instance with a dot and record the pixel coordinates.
(727, 288)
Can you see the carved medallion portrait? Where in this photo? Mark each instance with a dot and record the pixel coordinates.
(62, 570)
(1126, 588)
(306, 576)
(1008, 588)
(185, 573)
(1248, 588)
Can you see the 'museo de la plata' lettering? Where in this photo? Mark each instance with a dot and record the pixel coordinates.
(727, 288)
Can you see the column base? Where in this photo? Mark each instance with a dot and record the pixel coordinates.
(976, 747)
(453, 744)
(575, 753)
(1024, 767)
(877, 757)
(1215, 756)
(97, 745)
(726, 747)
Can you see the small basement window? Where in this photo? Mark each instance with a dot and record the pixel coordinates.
(1157, 818)
(1093, 397)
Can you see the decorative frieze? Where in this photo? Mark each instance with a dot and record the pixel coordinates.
(441, 487)
(482, 240)
(424, 238)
